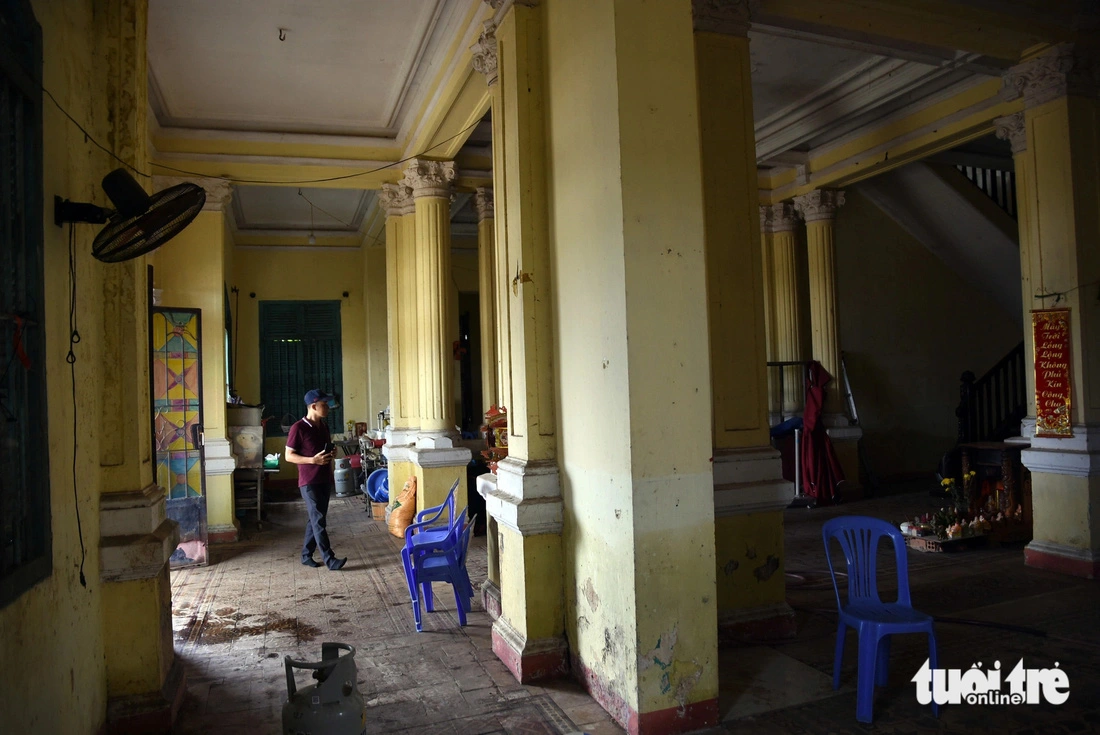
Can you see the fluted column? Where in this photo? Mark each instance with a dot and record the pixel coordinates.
(397, 201)
(436, 461)
(818, 209)
(774, 398)
(487, 295)
(430, 182)
(787, 323)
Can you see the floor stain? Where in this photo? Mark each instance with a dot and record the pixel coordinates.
(204, 630)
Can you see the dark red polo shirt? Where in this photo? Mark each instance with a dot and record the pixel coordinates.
(307, 439)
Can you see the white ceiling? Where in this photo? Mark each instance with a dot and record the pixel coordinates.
(347, 67)
(787, 69)
(283, 210)
(809, 92)
(362, 67)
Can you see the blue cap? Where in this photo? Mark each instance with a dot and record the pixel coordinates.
(317, 396)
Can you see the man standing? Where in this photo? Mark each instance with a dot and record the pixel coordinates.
(308, 445)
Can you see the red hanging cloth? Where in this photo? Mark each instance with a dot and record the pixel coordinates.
(821, 471)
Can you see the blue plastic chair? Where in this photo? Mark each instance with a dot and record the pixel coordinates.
(428, 527)
(440, 561)
(874, 620)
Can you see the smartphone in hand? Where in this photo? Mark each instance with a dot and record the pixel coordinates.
(330, 448)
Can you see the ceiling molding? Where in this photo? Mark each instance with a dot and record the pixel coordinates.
(448, 83)
(921, 54)
(861, 93)
(415, 69)
(971, 121)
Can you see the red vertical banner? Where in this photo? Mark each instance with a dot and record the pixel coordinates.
(1052, 381)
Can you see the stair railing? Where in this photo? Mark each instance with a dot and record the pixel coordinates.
(998, 185)
(992, 406)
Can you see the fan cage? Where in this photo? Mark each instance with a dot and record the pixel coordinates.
(169, 212)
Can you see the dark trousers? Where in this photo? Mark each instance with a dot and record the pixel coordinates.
(316, 497)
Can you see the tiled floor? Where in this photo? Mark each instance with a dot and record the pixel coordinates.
(236, 619)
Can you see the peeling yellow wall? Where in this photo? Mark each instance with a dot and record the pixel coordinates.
(276, 274)
(586, 231)
(636, 477)
(750, 561)
(51, 636)
(906, 390)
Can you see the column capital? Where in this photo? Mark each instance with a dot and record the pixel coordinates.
(219, 192)
(819, 204)
(765, 217)
(1067, 69)
(429, 178)
(727, 17)
(484, 59)
(1011, 128)
(395, 199)
(783, 217)
(484, 200)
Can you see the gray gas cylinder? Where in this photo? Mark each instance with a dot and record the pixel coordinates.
(332, 706)
(344, 476)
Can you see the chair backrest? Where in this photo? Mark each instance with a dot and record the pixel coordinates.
(467, 532)
(859, 538)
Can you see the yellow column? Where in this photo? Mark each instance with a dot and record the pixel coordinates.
(1059, 229)
(749, 489)
(438, 462)
(788, 309)
(487, 295)
(774, 397)
(633, 380)
(524, 497)
(1014, 129)
(376, 306)
(144, 680)
(818, 209)
(190, 272)
(401, 311)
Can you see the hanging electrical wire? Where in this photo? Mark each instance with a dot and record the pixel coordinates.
(74, 340)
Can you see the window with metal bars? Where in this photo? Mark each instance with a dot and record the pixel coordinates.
(299, 350)
(25, 540)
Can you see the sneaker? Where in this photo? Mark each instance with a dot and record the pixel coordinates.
(336, 564)
(309, 562)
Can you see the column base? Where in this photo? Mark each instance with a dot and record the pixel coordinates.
(490, 598)
(749, 481)
(530, 660)
(226, 534)
(148, 713)
(756, 624)
(1062, 559)
(691, 717)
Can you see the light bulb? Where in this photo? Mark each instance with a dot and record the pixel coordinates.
(312, 240)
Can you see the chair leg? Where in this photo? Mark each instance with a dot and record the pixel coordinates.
(933, 664)
(429, 602)
(882, 664)
(459, 592)
(865, 674)
(841, 632)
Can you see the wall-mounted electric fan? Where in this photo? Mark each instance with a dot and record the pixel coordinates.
(140, 223)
